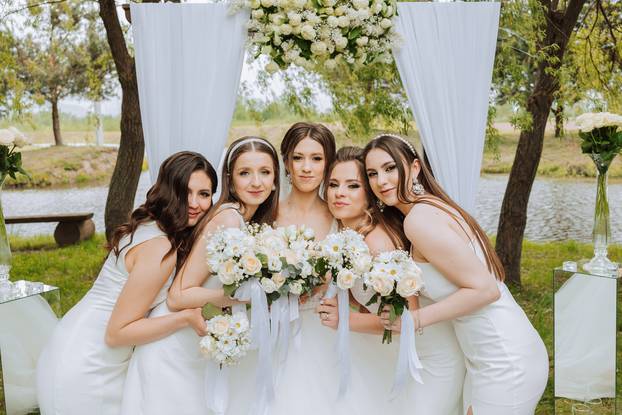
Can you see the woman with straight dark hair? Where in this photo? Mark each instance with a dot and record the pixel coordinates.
(507, 363)
(351, 201)
(167, 376)
(83, 367)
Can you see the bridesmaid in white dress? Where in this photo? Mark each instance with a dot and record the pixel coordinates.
(167, 376)
(83, 367)
(307, 150)
(350, 200)
(507, 363)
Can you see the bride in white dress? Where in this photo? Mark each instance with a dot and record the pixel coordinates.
(168, 376)
(507, 363)
(350, 200)
(82, 369)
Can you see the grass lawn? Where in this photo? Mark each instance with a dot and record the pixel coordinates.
(74, 268)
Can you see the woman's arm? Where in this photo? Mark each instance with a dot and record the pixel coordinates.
(128, 324)
(187, 290)
(431, 235)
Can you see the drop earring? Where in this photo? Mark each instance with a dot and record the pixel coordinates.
(418, 188)
(380, 205)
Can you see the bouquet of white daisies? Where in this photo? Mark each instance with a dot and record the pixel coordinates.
(346, 255)
(227, 339)
(393, 277)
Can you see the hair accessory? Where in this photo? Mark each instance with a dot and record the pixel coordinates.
(410, 146)
(246, 141)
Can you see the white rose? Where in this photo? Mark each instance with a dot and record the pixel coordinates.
(7, 138)
(346, 279)
(227, 272)
(294, 19)
(319, 48)
(268, 285)
(218, 325)
(389, 11)
(239, 322)
(255, 4)
(386, 23)
(267, 3)
(381, 284)
(341, 43)
(286, 29)
(257, 14)
(362, 41)
(251, 264)
(272, 67)
(295, 287)
(344, 21)
(340, 11)
(278, 280)
(307, 32)
(363, 14)
(207, 345)
(332, 21)
(362, 264)
(277, 18)
(408, 286)
(330, 64)
(376, 8)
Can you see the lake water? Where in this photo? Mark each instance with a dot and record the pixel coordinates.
(558, 209)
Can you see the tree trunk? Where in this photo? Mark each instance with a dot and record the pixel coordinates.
(559, 120)
(58, 138)
(124, 181)
(513, 217)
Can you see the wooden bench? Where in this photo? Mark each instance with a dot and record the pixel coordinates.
(71, 228)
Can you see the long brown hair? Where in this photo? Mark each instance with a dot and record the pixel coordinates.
(404, 154)
(314, 131)
(392, 224)
(167, 204)
(266, 212)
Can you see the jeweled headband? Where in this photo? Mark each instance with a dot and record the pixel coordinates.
(410, 146)
(246, 141)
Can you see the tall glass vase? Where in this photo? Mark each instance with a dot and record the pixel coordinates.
(601, 233)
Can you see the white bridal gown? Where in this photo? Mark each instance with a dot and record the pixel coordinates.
(443, 369)
(167, 376)
(506, 360)
(77, 372)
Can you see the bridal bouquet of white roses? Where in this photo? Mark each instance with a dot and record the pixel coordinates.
(10, 159)
(394, 277)
(227, 340)
(231, 255)
(286, 253)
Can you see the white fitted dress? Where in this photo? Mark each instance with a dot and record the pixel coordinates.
(506, 360)
(443, 369)
(167, 376)
(77, 372)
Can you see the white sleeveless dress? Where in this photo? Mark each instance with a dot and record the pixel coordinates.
(167, 376)
(506, 360)
(77, 372)
(443, 369)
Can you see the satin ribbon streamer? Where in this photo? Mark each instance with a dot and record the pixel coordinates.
(260, 339)
(217, 388)
(343, 337)
(294, 317)
(279, 326)
(408, 361)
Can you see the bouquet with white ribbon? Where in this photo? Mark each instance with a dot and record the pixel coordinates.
(394, 277)
(346, 256)
(227, 339)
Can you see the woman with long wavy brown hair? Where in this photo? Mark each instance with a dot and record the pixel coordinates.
(351, 201)
(507, 363)
(83, 367)
(167, 376)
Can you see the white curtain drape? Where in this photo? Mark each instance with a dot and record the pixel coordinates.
(585, 337)
(188, 62)
(445, 61)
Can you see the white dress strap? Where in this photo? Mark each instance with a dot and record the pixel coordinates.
(144, 232)
(233, 206)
